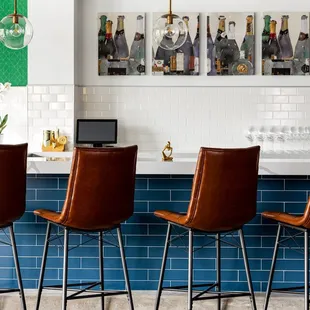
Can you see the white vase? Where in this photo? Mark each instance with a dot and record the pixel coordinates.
(1, 139)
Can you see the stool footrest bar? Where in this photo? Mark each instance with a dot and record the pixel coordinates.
(288, 289)
(70, 285)
(173, 288)
(222, 295)
(4, 291)
(96, 294)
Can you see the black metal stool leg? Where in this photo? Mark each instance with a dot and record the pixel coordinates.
(121, 246)
(190, 271)
(273, 265)
(306, 270)
(65, 270)
(43, 264)
(101, 267)
(16, 261)
(218, 270)
(247, 269)
(163, 268)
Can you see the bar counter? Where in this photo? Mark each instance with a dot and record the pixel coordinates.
(183, 164)
(283, 186)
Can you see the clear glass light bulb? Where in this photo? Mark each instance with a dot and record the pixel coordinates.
(16, 31)
(170, 36)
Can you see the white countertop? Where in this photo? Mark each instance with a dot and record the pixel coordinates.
(183, 164)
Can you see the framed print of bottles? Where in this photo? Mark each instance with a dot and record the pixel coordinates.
(230, 44)
(121, 44)
(184, 60)
(285, 43)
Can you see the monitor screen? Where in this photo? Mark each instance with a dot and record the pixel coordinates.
(95, 131)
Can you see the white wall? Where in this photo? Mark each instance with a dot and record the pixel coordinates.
(14, 103)
(51, 52)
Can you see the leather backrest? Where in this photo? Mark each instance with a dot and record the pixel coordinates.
(224, 189)
(101, 187)
(13, 169)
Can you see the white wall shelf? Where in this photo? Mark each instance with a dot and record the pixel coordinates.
(202, 81)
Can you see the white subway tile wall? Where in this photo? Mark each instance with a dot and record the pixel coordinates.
(149, 116)
(50, 107)
(194, 116)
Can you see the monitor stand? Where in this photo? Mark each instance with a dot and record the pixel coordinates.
(101, 145)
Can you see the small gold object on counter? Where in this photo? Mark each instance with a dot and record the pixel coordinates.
(53, 142)
(167, 152)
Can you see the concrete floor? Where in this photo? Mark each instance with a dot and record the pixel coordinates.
(145, 301)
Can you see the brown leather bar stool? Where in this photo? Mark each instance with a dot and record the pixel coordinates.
(302, 225)
(100, 196)
(223, 200)
(13, 167)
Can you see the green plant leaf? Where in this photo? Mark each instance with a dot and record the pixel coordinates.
(2, 128)
(4, 121)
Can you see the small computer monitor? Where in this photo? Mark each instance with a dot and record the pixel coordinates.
(98, 132)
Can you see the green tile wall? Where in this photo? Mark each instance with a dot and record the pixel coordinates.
(13, 64)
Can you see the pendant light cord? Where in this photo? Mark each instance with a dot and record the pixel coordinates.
(170, 7)
(15, 7)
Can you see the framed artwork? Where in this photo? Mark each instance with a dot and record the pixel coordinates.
(285, 43)
(230, 44)
(121, 44)
(184, 60)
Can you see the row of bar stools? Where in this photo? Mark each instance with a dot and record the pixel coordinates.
(223, 200)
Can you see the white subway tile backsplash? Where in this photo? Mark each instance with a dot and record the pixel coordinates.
(39, 106)
(280, 99)
(49, 98)
(264, 115)
(49, 114)
(69, 106)
(272, 91)
(288, 107)
(297, 115)
(56, 122)
(54, 109)
(149, 116)
(280, 115)
(40, 90)
(273, 107)
(288, 91)
(57, 89)
(34, 98)
(57, 105)
(296, 99)
(192, 116)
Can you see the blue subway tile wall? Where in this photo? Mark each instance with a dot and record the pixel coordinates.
(144, 237)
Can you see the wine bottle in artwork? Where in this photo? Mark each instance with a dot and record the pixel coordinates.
(187, 49)
(249, 40)
(231, 54)
(221, 42)
(265, 37)
(274, 47)
(196, 49)
(285, 40)
(110, 47)
(210, 51)
(120, 38)
(137, 51)
(101, 36)
(302, 49)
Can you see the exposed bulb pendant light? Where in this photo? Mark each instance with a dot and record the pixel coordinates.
(16, 31)
(170, 31)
